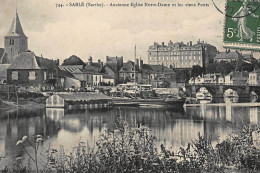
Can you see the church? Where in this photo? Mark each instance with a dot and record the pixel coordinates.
(21, 67)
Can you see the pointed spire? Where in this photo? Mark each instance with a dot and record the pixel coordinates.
(16, 27)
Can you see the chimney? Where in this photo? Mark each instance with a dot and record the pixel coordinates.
(100, 63)
(198, 41)
(90, 61)
(57, 62)
(137, 62)
(190, 43)
(162, 43)
(187, 43)
(141, 62)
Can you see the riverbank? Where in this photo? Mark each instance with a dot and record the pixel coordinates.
(25, 101)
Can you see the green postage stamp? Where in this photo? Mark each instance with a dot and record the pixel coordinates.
(242, 25)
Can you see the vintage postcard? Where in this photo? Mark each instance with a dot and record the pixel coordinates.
(129, 86)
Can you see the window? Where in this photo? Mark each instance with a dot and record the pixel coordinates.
(32, 75)
(44, 75)
(15, 75)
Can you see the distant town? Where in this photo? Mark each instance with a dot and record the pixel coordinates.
(169, 65)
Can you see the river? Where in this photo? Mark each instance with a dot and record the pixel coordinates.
(173, 128)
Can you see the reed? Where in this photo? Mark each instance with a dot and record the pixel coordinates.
(128, 149)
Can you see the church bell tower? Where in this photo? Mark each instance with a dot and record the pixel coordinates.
(15, 40)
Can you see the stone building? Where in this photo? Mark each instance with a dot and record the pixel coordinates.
(236, 78)
(24, 68)
(254, 77)
(180, 55)
(15, 42)
(3, 73)
(113, 65)
(155, 75)
(116, 63)
(26, 71)
(129, 73)
(228, 56)
(158, 75)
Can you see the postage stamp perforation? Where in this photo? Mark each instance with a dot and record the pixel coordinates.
(241, 30)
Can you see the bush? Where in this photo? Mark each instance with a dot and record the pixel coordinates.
(128, 149)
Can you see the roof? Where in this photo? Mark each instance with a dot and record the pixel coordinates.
(70, 68)
(239, 78)
(2, 51)
(45, 63)
(247, 56)
(228, 55)
(3, 70)
(157, 68)
(4, 59)
(82, 96)
(16, 27)
(62, 73)
(25, 60)
(106, 76)
(238, 74)
(256, 71)
(127, 67)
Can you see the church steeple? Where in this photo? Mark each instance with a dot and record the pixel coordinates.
(16, 27)
(15, 40)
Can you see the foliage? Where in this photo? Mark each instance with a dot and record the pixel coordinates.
(220, 67)
(182, 76)
(244, 66)
(196, 71)
(128, 149)
(73, 60)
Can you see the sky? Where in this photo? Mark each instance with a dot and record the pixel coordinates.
(58, 33)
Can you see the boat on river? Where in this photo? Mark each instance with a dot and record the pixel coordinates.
(171, 102)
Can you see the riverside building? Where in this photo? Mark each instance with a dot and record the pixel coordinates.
(180, 55)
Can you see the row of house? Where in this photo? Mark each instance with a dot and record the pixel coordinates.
(115, 71)
(233, 78)
(230, 56)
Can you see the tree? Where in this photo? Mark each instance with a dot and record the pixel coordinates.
(222, 67)
(196, 71)
(211, 68)
(244, 66)
(182, 76)
(73, 60)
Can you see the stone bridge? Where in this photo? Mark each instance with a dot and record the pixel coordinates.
(217, 91)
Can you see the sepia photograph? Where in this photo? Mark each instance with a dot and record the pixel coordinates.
(128, 86)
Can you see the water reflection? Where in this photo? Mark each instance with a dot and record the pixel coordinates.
(66, 127)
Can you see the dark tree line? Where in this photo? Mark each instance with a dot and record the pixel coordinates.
(73, 60)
